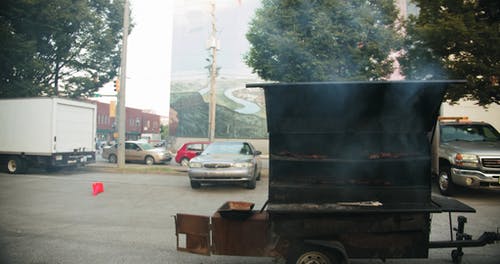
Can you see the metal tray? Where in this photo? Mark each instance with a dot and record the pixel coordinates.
(236, 210)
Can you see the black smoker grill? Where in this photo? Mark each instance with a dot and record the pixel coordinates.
(349, 177)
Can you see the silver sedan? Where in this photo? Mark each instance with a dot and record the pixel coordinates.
(236, 162)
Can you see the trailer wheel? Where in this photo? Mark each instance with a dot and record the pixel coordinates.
(445, 183)
(305, 254)
(456, 256)
(15, 165)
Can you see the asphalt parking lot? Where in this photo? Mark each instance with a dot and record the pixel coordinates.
(54, 218)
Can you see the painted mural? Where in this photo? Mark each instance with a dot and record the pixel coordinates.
(240, 112)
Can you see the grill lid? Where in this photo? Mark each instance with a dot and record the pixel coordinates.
(334, 144)
(382, 106)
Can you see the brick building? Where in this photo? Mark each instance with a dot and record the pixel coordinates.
(139, 124)
(133, 123)
(105, 123)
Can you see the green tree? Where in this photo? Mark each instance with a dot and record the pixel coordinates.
(164, 131)
(456, 39)
(322, 40)
(58, 47)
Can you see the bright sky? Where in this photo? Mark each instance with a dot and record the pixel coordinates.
(148, 57)
(149, 51)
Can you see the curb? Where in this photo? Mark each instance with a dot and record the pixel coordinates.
(138, 168)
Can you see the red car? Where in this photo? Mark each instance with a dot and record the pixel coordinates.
(190, 150)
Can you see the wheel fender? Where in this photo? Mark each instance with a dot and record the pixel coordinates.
(334, 245)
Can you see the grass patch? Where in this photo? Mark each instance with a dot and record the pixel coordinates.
(141, 169)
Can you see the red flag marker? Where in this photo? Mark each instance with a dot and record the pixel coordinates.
(97, 187)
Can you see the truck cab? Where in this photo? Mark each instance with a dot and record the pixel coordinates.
(465, 153)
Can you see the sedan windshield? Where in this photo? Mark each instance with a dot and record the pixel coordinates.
(468, 132)
(228, 148)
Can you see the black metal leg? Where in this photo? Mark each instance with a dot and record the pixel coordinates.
(451, 226)
(456, 254)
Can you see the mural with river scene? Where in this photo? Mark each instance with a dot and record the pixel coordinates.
(240, 112)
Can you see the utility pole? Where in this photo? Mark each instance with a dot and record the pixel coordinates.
(121, 94)
(213, 74)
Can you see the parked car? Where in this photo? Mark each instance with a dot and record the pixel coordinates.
(466, 154)
(236, 162)
(138, 152)
(161, 144)
(190, 150)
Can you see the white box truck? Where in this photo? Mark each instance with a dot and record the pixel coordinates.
(47, 132)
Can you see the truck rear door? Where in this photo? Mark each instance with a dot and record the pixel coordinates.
(74, 127)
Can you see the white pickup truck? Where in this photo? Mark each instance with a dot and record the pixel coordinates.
(465, 153)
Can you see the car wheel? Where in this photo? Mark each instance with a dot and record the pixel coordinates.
(15, 165)
(195, 185)
(252, 183)
(112, 158)
(184, 162)
(445, 183)
(258, 175)
(149, 160)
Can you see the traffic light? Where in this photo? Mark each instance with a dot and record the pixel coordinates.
(117, 85)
